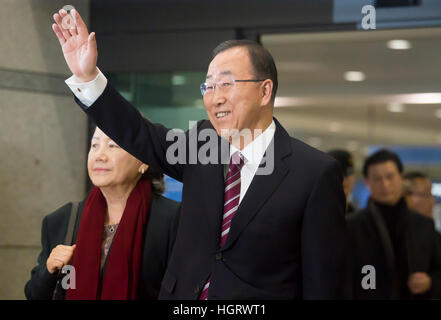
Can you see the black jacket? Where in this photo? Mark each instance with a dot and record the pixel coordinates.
(159, 239)
(370, 243)
(287, 238)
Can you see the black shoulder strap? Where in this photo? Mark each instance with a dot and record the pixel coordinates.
(68, 241)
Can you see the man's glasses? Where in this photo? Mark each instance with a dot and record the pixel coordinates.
(225, 86)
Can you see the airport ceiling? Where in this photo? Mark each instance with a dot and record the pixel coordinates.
(397, 103)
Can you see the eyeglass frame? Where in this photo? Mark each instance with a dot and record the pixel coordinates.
(234, 81)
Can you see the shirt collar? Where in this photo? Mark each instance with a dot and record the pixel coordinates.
(254, 151)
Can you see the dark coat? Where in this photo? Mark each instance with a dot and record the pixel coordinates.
(287, 237)
(159, 239)
(369, 243)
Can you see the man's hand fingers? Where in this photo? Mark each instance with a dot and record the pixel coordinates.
(68, 22)
(415, 288)
(81, 26)
(419, 283)
(65, 252)
(73, 32)
(419, 274)
(63, 260)
(59, 263)
(416, 275)
(58, 33)
(65, 255)
(62, 250)
(415, 282)
(91, 42)
(59, 22)
(62, 13)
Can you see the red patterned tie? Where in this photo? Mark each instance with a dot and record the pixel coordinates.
(231, 203)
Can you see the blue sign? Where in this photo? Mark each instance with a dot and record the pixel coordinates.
(173, 189)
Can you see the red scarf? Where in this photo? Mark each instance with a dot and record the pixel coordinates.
(122, 273)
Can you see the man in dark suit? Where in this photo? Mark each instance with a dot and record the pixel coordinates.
(394, 253)
(264, 218)
(418, 193)
(346, 162)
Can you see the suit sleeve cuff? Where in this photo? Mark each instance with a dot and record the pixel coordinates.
(87, 92)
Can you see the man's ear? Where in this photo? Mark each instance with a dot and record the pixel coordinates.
(266, 91)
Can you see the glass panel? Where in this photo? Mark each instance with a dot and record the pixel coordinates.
(358, 90)
(170, 98)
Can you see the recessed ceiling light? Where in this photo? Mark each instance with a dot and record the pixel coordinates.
(354, 76)
(418, 98)
(438, 113)
(395, 107)
(399, 44)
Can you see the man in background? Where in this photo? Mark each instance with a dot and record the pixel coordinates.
(242, 234)
(346, 162)
(400, 248)
(418, 193)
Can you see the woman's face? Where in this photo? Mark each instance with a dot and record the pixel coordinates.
(109, 165)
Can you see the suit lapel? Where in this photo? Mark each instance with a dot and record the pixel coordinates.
(213, 199)
(262, 186)
(211, 195)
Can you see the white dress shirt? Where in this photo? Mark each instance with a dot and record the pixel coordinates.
(253, 154)
(89, 92)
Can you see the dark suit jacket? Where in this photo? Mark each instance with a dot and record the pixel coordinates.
(287, 237)
(159, 240)
(369, 243)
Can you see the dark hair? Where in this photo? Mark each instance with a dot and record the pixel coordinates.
(261, 60)
(409, 180)
(381, 156)
(415, 175)
(345, 160)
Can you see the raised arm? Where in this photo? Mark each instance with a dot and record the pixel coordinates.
(104, 105)
(79, 47)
